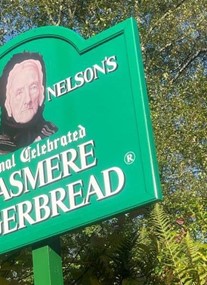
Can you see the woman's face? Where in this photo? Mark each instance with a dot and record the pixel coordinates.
(26, 91)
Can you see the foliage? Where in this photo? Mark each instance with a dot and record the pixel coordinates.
(165, 244)
(15, 267)
(181, 259)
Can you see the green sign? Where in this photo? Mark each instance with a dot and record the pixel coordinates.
(76, 141)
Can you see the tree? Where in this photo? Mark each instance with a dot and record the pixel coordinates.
(173, 37)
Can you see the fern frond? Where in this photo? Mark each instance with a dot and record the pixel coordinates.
(171, 252)
(197, 259)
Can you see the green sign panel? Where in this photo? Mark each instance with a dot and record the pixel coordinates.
(76, 142)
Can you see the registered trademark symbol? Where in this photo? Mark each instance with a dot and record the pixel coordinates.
(129, 157)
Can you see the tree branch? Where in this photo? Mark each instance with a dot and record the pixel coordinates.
(190, 59)
(164, 16)
(185, 35)
(55, 23)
